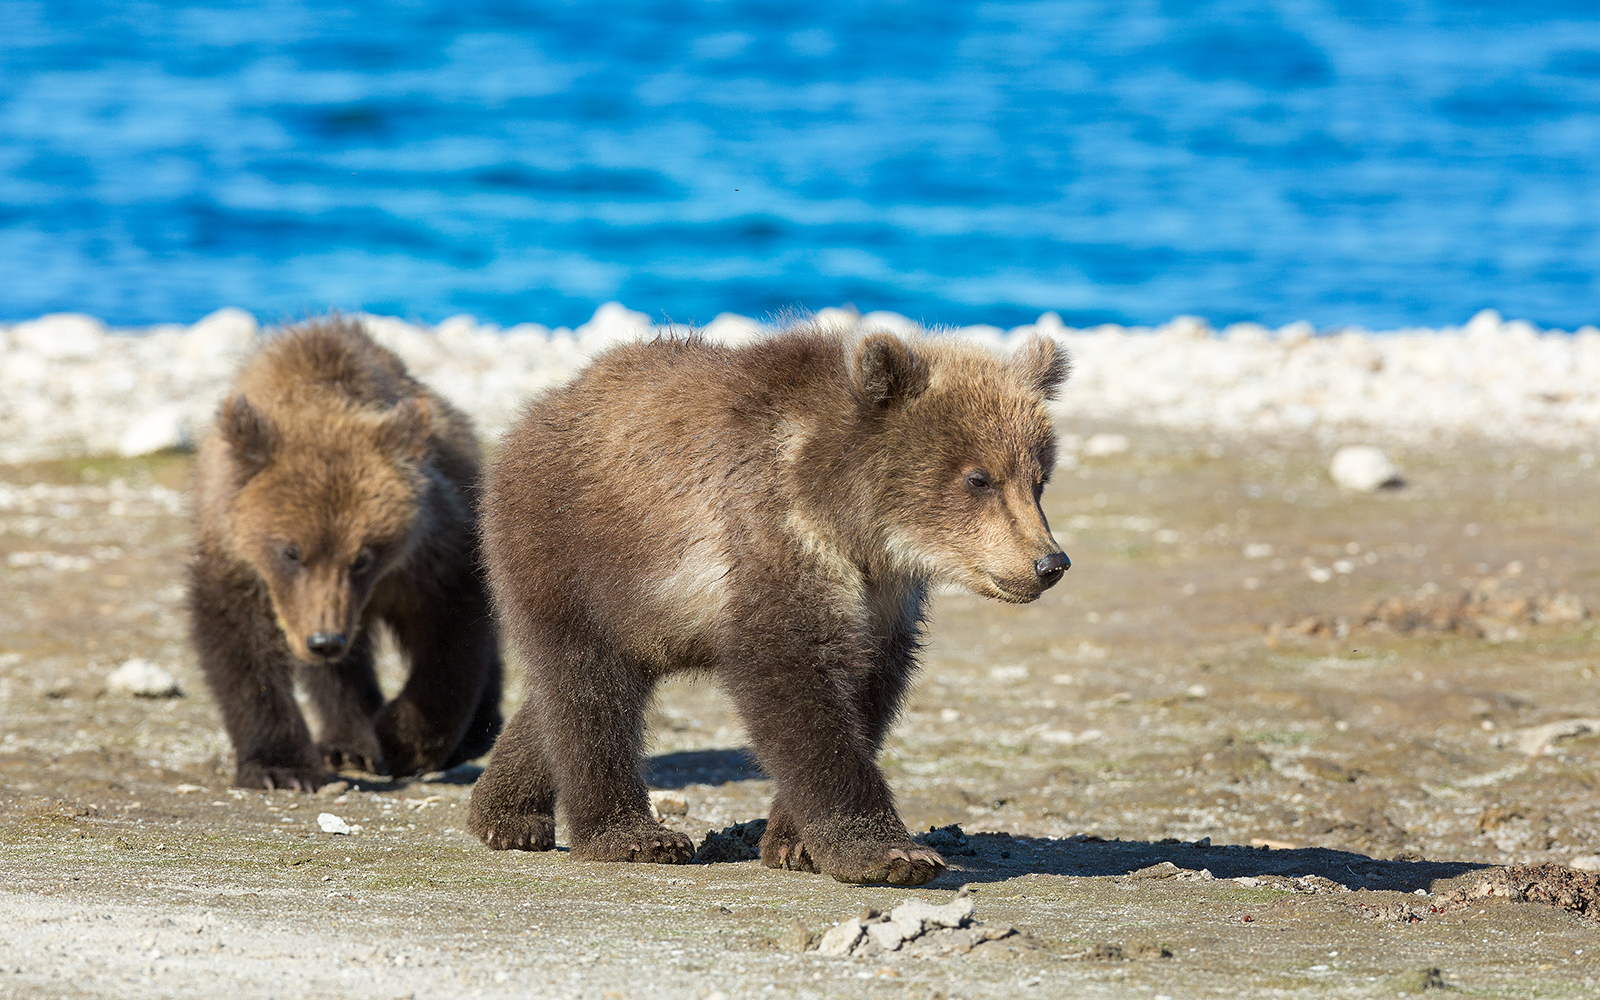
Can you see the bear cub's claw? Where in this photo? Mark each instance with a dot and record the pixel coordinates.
(649, 844)
(346, 757)
(300, 779)
(893, 864)
(514, 833)
(781, 846)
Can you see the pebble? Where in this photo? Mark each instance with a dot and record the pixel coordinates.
(143, 679)
(668, 803)
(839, 941)
(333, 824)
(70, 386)
(1363, 468)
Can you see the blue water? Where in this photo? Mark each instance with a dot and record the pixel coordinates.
(1348, 163)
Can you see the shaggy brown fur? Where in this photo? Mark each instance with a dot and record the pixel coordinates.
(336, 492)
(773, 514)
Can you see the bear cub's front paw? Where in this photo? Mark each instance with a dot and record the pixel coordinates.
(410, 745)
(513, 832)
(781, 846)
(352, 755)
(871, 862)
(304, 779)
(641, 842)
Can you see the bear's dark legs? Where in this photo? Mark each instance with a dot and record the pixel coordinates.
(593, 715)
(579, 736)
(345, 696)
(484, 726)
(452, 645)
(833, 811)
(878, 698)
(514, 801)
(251, 675)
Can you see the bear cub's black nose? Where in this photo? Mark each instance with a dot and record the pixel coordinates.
(1051, 567)
(327, 644)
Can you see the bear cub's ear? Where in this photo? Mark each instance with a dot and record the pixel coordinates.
(404, 431)
(250, 435)
(1043, 365)
(887, 373)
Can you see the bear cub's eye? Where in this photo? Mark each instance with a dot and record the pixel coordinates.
(291, 554)
(978, 481)
(363, 561)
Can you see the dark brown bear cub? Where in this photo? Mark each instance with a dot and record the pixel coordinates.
(334, 493)
(773, 514)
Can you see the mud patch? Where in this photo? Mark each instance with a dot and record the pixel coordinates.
(1567, 889)
(1496, 608)
(730, 845)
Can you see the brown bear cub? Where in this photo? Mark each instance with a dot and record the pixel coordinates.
(334, 493)
(774, 514)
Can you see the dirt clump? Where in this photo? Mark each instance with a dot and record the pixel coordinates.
(918, 929)
(1564, 888)
(740, 842)
(1495, 608)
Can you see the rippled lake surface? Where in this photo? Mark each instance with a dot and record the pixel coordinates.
(1355, 163)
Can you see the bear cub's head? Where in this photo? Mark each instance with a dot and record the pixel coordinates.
(972, 446)
(324, 508)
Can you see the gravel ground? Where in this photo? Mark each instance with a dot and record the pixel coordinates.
(1209, 763)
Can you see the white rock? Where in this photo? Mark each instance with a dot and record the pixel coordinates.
(143, 679)
(156, 431)
(889, 322)
(1363, 468)
(886, 936)
(224, 337)
(1535, 740)
(1585, 863)
(668, 803)
(333, 824)
(915, 916)
(841, 940)
(1100, 445)
(732, 329)
(60, 336)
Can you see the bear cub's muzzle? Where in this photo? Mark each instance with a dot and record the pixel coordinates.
(328, 645)
(1050, 568)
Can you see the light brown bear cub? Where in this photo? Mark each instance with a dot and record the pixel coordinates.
(336, 492)
(773, 514)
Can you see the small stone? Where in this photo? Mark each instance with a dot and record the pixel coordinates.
(840, 941)
(333, 824)
(914, 916)
(667, 803)
(887, 936)
(159, 430)
(143, 679)
(333, 788)
(1364, 468)
(1101, 445)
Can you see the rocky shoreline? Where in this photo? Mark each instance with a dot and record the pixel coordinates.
(70, 386)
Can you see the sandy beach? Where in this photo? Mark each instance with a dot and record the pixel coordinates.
(1269, 738)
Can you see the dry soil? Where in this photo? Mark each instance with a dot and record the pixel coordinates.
(1202, 766)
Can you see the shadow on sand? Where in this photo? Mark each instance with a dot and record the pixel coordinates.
(1001, 856)
(702, 767)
